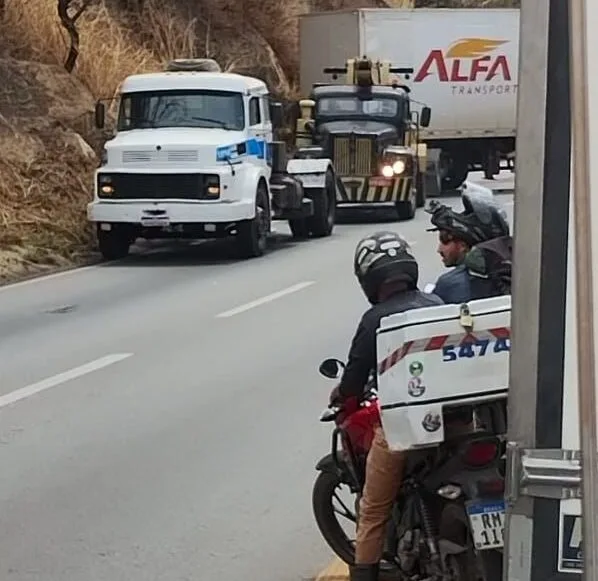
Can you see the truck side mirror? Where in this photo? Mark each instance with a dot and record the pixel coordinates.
(100, 115)
(276, 114)
(424, 118)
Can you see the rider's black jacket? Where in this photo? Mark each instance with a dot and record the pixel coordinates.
(362, 354)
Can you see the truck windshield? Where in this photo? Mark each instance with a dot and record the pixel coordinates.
(188, 108)
(352, 106)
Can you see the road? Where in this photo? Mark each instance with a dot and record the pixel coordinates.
(158, 417)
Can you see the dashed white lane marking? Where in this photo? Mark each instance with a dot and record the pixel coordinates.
(267, 299)
(34, 388)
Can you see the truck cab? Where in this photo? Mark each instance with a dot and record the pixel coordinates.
(366, 126)
(194, 157)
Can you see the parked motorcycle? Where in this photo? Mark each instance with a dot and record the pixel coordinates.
(448, 520)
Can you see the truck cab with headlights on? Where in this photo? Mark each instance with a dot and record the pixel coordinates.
(194, 156)
(366, 124)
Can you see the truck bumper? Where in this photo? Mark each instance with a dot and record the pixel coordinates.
(365, 191)
(174, 212)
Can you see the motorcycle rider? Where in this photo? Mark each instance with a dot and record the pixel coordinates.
(388, 275)
(458, 232)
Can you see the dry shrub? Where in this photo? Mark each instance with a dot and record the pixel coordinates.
(109, 50)
(168, 34)
(43, 198)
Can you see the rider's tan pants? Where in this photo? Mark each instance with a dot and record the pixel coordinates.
(384, 470)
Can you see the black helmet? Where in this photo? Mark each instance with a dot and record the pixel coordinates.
(384, 257)
(482, 219)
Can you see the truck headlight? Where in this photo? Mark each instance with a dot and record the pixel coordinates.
(398, 167)
(212, 186)
(387, 171)
(105, 186)
(393, 168)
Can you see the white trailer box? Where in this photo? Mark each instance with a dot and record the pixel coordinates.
(430, 359)
(465, 65)
(465, 61)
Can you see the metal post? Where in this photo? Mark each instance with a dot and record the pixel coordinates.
(585, 293)
(539, 472)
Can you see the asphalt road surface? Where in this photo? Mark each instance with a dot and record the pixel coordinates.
(159, 416)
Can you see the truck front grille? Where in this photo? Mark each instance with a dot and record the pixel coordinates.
(342, 156)
(162, 156)
(165, 186)
(353, 156)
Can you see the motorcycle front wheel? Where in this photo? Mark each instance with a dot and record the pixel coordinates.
(325, 492)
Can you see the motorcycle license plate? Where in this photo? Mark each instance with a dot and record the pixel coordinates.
(487, 520)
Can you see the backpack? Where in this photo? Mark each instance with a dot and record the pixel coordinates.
(489, 267)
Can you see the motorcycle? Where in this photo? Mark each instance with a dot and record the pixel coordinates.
(447, 522)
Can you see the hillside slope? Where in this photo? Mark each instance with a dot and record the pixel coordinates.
(47, 142)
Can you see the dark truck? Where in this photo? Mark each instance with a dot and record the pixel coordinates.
(366, 126)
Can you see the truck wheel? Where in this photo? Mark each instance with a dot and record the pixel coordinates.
(492, 165)
(406, 210)
(420, 190)
(321, 223)
(252, 235)
(456, 173)
(113, 244)
(299, 228)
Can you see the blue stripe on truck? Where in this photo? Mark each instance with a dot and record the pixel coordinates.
(254, 147)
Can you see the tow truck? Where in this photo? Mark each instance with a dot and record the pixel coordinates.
(367, 127)
(194, 157)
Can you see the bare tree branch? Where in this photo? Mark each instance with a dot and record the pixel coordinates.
(81, 10)
(69, 24)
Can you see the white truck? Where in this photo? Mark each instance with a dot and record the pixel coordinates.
(194, 157)
(465, 64)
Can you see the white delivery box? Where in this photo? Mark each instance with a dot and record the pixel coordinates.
(439, 357)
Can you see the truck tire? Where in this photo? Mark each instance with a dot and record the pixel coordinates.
(321, 223)
(420, 190)
(492, 165)
(113, 244)
(456, 174)
(299, 228)
(406, 210)
(252, 235)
